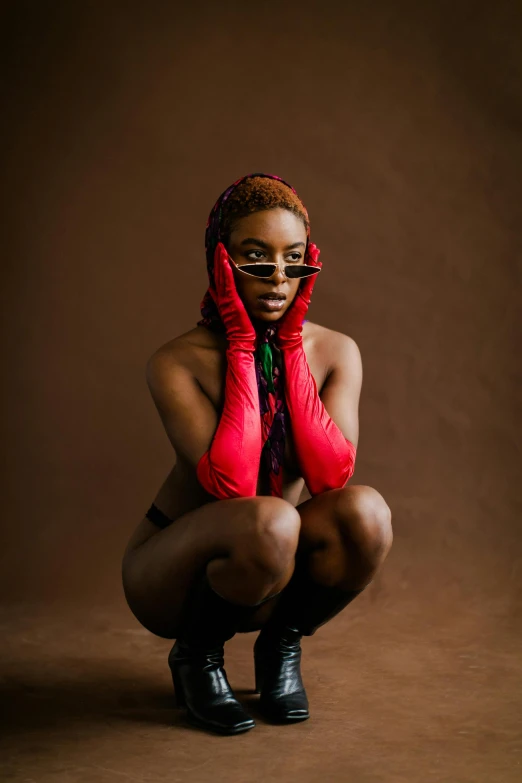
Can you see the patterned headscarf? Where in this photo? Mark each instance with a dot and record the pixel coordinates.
(268, 360)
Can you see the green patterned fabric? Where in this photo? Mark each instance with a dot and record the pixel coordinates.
(264, 352)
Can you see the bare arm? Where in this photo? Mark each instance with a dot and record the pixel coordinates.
(342, 389)
(189, 417)
(223, 449)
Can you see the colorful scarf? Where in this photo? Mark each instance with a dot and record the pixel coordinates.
(268, 360)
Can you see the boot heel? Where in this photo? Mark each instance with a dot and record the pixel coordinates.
(258, 671)
(197, 661)
(179, 693)
(258, 678)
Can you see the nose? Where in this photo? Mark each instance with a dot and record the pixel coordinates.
(279, 273)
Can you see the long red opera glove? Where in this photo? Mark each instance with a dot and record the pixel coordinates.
(230, 467)
(326, 458)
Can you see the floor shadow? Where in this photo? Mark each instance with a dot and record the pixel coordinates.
(54, 700)
(44, 700)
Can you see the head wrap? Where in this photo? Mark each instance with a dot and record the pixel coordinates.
(268, 360)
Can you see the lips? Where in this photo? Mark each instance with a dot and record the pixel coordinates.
(273, 296)
(271, 304)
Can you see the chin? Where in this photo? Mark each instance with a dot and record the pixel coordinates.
(264, 315)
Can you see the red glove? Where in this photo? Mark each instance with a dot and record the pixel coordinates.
(230, 467)
(290, 326)
(326, 458)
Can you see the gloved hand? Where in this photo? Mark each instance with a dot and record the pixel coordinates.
(239, 328)
(290, 326)
(230, 467)
(326, 458)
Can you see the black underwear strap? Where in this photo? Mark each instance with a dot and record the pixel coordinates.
(158, 517)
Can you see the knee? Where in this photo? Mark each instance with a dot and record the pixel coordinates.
(271, 534)
(364, 520)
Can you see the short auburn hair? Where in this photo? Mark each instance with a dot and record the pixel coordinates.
(256, 194)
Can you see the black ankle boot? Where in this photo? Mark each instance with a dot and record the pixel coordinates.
(197, 662)
(277, 659)
(303, 607)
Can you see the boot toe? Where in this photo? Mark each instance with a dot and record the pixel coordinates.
(285, 710)
(225, 718)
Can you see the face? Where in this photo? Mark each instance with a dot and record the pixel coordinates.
(274, 236)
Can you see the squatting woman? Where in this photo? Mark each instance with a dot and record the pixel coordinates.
(256, 401)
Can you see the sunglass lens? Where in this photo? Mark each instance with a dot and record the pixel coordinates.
(303, 270)
(267, 270)
(258, 270)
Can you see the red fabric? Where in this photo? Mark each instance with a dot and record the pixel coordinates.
(326, 458)
(231, 465)
(269, 365)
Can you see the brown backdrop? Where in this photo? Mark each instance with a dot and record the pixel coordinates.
(399, 124)
(400, 129)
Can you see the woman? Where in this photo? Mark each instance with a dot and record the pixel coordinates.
(256, 401)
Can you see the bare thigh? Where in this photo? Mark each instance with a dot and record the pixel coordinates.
(158, 572)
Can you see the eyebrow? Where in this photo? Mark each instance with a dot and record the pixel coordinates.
(253, 241)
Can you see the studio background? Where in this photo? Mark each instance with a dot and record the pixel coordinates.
(399, 125)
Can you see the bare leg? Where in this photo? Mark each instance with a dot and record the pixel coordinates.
(246, 545)
(345, 536)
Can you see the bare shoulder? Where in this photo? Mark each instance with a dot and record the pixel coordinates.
(188, 348)
(336, 348)
(193, 340)
(201, 351)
